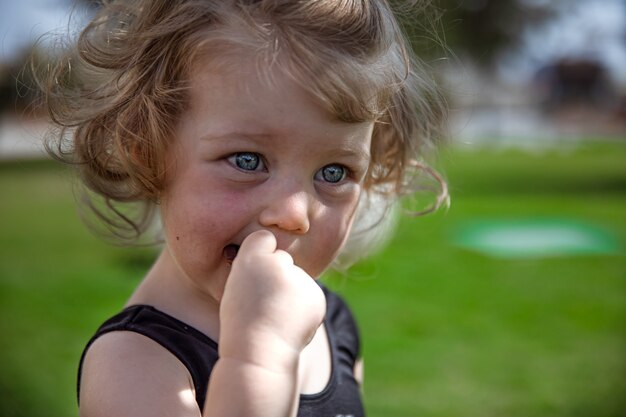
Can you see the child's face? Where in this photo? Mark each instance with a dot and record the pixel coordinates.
(249, 155)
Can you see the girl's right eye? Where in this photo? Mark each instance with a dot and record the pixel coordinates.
(246, 161)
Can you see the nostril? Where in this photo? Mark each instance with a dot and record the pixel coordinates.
(289, 212)
(230, 252)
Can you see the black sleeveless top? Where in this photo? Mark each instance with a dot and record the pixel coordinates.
(341, 397)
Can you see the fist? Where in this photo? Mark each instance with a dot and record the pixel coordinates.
(270, 306)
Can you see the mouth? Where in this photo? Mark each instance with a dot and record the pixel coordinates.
(230, 253)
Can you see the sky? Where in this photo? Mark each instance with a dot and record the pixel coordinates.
(24, 21)
(589, 28)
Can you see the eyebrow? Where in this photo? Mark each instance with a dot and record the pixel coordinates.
(235, 135)
(343, 152)
(352, 153)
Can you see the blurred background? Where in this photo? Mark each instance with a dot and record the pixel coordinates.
(511, 302)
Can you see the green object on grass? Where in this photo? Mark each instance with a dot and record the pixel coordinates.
(536, 238)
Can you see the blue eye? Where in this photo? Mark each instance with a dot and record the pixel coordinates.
(247, 161)
(333, 173)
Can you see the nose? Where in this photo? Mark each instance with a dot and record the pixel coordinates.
(288, 210)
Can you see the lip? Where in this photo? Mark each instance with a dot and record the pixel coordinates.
(230, 252)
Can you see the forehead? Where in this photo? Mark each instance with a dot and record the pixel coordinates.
(240, 92)
(348, 85)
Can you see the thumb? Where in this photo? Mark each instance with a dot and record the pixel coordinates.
(261, 240)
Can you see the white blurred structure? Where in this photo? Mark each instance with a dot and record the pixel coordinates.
(515, 104)
(21, 138)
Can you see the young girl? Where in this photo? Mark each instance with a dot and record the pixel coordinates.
(262, 133)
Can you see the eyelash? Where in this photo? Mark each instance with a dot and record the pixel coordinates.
(344, 174)
(237, 158)
(234, 160)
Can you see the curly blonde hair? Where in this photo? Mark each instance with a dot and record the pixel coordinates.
(117, 93)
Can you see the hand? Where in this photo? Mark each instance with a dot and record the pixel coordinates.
(271, 308)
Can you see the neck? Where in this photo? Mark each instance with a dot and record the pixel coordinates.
(167, 289)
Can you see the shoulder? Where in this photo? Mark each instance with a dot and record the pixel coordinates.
(127, 374)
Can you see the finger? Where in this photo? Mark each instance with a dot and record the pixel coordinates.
(284, 256)
(261, 240)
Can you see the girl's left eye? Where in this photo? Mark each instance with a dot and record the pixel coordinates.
(247, 161)
(332, 173)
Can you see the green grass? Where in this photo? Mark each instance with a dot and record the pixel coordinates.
(446, 331)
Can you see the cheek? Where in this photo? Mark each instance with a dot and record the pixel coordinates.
(333, 234)
(344, 234)
(197, 203)
(344, 225)
(190, 223)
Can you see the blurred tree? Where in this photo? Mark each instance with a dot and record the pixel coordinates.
(89, 4)
(17, 92)
(480, 29)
